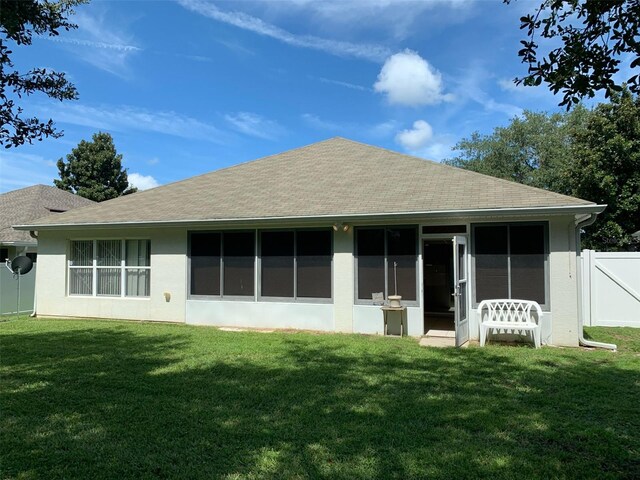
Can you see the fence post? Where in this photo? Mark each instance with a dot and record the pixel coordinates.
(586, 287)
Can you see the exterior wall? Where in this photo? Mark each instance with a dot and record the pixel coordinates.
(368, 319)
(343, 281)
(228, 313)
(168, 274)
(563, 284)
(559, 323)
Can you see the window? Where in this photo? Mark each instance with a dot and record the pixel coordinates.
(222, 263)
(313, 263)
(511, 261)
(205, 263)
(277, 253)
(295, 264)
(103, 267)
(380, 252)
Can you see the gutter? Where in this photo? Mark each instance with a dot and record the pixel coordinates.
(342, 217)
(581, 340)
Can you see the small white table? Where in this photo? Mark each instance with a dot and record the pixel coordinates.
(385, 312)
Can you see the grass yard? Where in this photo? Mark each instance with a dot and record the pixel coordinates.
(120, 400)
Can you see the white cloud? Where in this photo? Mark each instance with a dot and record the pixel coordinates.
(255, 125)
(126, 118)
(508, 85)
(100, 42)
(388, 18)
(408, 79)
(24, 169)
(340, 83)
(417, 137)
(89, 43)
(142, 182)
(438, 151)
(153, 161)
(383, 129)
(256, 25)
(320, 124)
(470, 86)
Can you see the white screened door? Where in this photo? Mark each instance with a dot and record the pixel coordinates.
(461, 293)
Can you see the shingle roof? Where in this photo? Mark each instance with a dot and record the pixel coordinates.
(30, 203)
(335, 177)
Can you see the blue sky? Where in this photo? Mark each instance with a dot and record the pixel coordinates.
(189, 86)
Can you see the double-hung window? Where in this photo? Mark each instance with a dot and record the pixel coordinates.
(112, 268)
(510, 261)
(387, 258)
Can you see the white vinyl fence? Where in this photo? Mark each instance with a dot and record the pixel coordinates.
(9, 291)
(611, 288)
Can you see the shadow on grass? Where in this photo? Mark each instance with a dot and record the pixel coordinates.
(113, 404)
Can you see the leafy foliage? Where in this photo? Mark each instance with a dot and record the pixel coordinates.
(591, 154)
(94, 170)
(606, 170)
(20, 20)
(534, 149)
(596, 37)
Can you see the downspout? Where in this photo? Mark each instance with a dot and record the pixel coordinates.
(33, 234)
(583, 341)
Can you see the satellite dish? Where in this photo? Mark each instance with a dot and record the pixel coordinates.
(21, 265)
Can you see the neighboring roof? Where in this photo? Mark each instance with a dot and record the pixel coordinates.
(27, 204)
(336, 177)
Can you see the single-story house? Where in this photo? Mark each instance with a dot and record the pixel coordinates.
(18, 207)
(316, 238)
(24, 205)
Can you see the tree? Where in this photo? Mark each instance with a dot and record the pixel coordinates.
(595, 37)
(590, 154)
(94, 170)
(533, 149)
(606, 170)
(19, 21)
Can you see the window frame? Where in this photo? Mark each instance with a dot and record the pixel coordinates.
(123, 267)
(221, 295)
(257, 272)
(385, 228)
(295, 298)
(546, 306)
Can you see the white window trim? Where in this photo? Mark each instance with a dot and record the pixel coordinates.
(94, 269)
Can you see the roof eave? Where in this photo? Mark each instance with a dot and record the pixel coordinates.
(526, 211)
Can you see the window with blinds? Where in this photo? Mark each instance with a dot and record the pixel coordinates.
(110, 268)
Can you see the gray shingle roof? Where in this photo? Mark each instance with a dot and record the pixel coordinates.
(30, 203)
(335, 177)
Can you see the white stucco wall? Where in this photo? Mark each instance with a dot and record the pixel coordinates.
(168, 274)
(251, 314)
(562, 282)
(369, 319)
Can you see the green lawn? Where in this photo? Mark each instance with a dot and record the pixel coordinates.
(118, 400)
